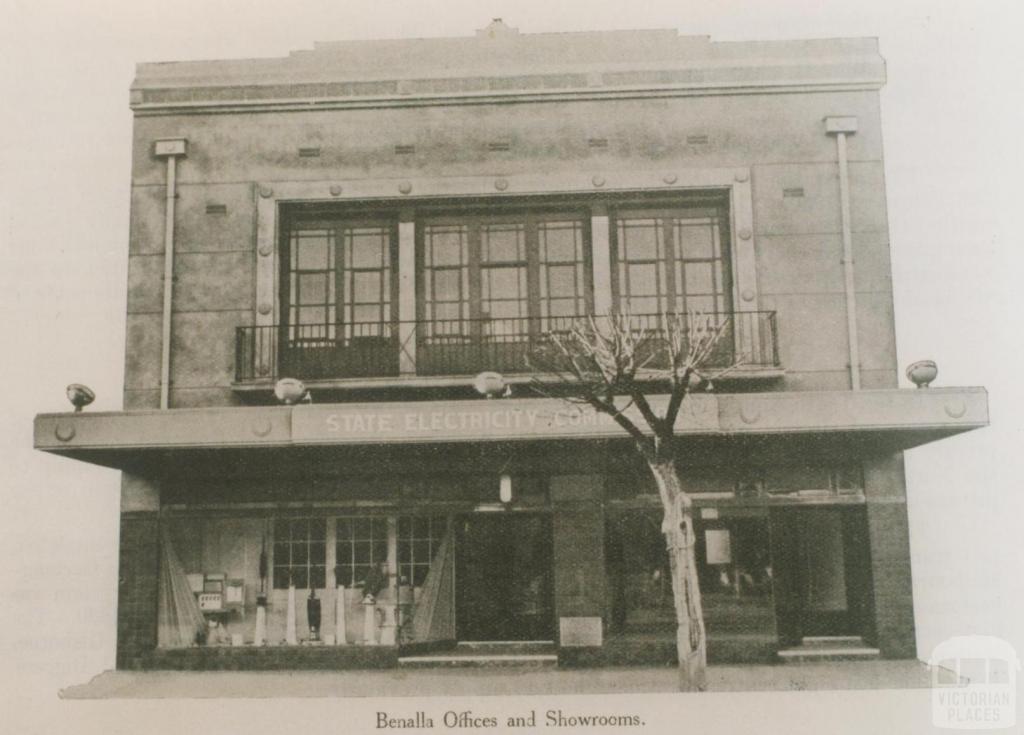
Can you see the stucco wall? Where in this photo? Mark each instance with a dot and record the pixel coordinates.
(780, 136)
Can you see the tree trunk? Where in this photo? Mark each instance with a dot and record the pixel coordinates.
(677, 526)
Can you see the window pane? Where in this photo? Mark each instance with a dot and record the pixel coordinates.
(299, 577)
(559, 242)
(363, 528)
(502, 243)
(643, 280)
(448, 311)
(361, 552)
(282, 553)
(312, 315)
(317, 577)
(312, 288)
(445, 246)
(446, 285)
(506, 310)
(504, 283)
(317, 552)
(641, 237)
(280, 578)
(366, 287)
(698, 279)
(562, 280)
(694, 241)
(701, 304)
(300, 553)
(368, 249)
(563, 307)
(643, 306)
(365, 314)
(312, 253)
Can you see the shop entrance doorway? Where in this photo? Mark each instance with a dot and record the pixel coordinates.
(822, 573)
(503, 578)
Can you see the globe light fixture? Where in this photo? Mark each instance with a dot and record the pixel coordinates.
(80, 396)
(491, 385)
(290, 391)
(922, 372)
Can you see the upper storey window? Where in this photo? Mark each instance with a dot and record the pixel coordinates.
(341, 282)
(495, 273)
(672, 260)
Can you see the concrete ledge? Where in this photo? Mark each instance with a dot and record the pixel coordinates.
(906, 417)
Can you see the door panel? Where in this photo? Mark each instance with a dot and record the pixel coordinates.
(503, 578)
(821, 573)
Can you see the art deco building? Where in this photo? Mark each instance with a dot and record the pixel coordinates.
(387, 220)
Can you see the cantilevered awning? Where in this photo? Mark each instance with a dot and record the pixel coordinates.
(884, 419)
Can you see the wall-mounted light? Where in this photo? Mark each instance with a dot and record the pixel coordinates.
(80, 396)
(505, 488)
(290, 391)
(491, 384)
(922, 373)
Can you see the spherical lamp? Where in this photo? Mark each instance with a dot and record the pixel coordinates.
(80, 396)
(289, 391)
(922, 373)
(490, 384)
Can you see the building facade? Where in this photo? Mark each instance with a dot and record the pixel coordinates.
(387, 220)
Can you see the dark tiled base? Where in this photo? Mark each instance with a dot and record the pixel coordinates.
(252, 658)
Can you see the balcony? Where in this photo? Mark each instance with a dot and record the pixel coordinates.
(451, 348)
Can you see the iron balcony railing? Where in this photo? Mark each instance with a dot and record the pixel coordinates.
(460, 346)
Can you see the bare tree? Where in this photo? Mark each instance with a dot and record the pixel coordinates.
(615, 363)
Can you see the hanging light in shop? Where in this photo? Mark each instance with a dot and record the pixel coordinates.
(505, 488)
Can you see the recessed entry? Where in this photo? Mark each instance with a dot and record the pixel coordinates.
(795, 192)
(309, 152)
(213, 208)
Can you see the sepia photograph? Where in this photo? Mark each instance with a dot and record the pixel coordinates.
(511, 367)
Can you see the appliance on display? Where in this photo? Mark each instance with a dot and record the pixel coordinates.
(313, 615)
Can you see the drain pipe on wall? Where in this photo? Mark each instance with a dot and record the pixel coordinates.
(841, 127)
(169, 149)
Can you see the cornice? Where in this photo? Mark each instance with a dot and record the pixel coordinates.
(368, 75)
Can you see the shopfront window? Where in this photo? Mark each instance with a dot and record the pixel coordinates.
(735, 571)
(418, 540)
(300, 553)
(733, 566)
(361, 545)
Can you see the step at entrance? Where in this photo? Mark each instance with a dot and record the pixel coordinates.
(829, 648)
(535, 654)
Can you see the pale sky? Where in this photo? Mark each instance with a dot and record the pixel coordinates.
(952, 119)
